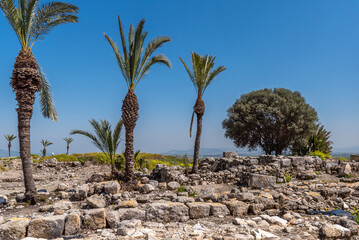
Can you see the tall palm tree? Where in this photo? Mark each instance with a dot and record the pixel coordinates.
(9, 138)
(105, 139)
(202, 75)
(30, 22)
(45, 144)
(134, 65)
(68, 142)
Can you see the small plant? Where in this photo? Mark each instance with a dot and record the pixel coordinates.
(2, 168)
(317, 173)
(181, 189)
(288, 177)
(343, 159)
(320, 154)
(355, 214)
(349, 175)
(194, 194)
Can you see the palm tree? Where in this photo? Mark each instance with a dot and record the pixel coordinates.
(201, 76)
(134, 65)
(104, 138)
(9, 138)
(68, 142)
(30, 22)
(45, 144)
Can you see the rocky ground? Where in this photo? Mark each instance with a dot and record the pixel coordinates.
(230, 198)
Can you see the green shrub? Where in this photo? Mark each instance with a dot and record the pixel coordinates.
(343, 159)
(321, 155)
(2, 168)
(355, 213)
(288, 177)
(181, 189)
(349, 175)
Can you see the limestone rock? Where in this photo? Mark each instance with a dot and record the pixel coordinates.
(334, 231)
(167, 212)
(96, 201)
(219, 210)
(198, 210)
(345, 170)
(95, 218)
(147, 188)
(127, 204)
(47, 227)
(173, 185)
(237, 208)
(72, 224)
(14, 229)
(112, 187)
(260, 181)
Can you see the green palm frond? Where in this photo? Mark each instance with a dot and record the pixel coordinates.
(68, 140)
(48, 109)
(104, 138)
(202, 73)
(31, 21)
(10, 137)
(133, 62)
(46, 143)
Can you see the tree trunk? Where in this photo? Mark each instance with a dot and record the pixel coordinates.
(9, 147)
(67, 150)
(129, 116)
(198, 108)
(25, 81)
(44, 152)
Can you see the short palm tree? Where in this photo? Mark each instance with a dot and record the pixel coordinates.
(45, 144)
(134, 65)
(9, 138)
(68, 142)
(105, 139)
(202, 75)
(30, 22)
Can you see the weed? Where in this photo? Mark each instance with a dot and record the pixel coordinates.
(288, 177)
(349, 175)
(181, 189)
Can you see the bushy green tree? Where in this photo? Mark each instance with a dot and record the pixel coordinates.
(270, 119)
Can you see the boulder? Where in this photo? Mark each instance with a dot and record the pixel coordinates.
(81, 192)
(127, 204)
(128, 227)
(198, 210)
(244, 196)
(260, 181)
(3, 199)
(47, 227)
(72, 224)
(345, 170)
(63, 205)
(112, 187)
(173, 185)
(132, 213)
(147, 188)
(219, 210)
(237, 208)
(14, 229)
(167, 212)
(96, 201)
(95, 218)
(334, 231)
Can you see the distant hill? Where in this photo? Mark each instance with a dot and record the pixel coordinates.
(213, 152)
(5, 153)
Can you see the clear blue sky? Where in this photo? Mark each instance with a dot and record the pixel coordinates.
(304, 45)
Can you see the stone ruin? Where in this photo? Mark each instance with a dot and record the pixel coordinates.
(230, 198)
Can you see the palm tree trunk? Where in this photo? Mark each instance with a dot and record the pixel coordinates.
(9, 147)
(67, 150)
(198, 108)
(129, 116)
(25, 81)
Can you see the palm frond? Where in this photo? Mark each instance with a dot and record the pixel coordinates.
(48, 109)
(133, 63)
(46, 143)
(68, 140)
(10, 137)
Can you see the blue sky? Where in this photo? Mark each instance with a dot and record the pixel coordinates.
(308, 46)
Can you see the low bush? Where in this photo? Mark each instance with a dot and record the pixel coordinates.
(321, 155)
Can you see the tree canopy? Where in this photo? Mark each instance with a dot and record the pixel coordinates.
(270, 119)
